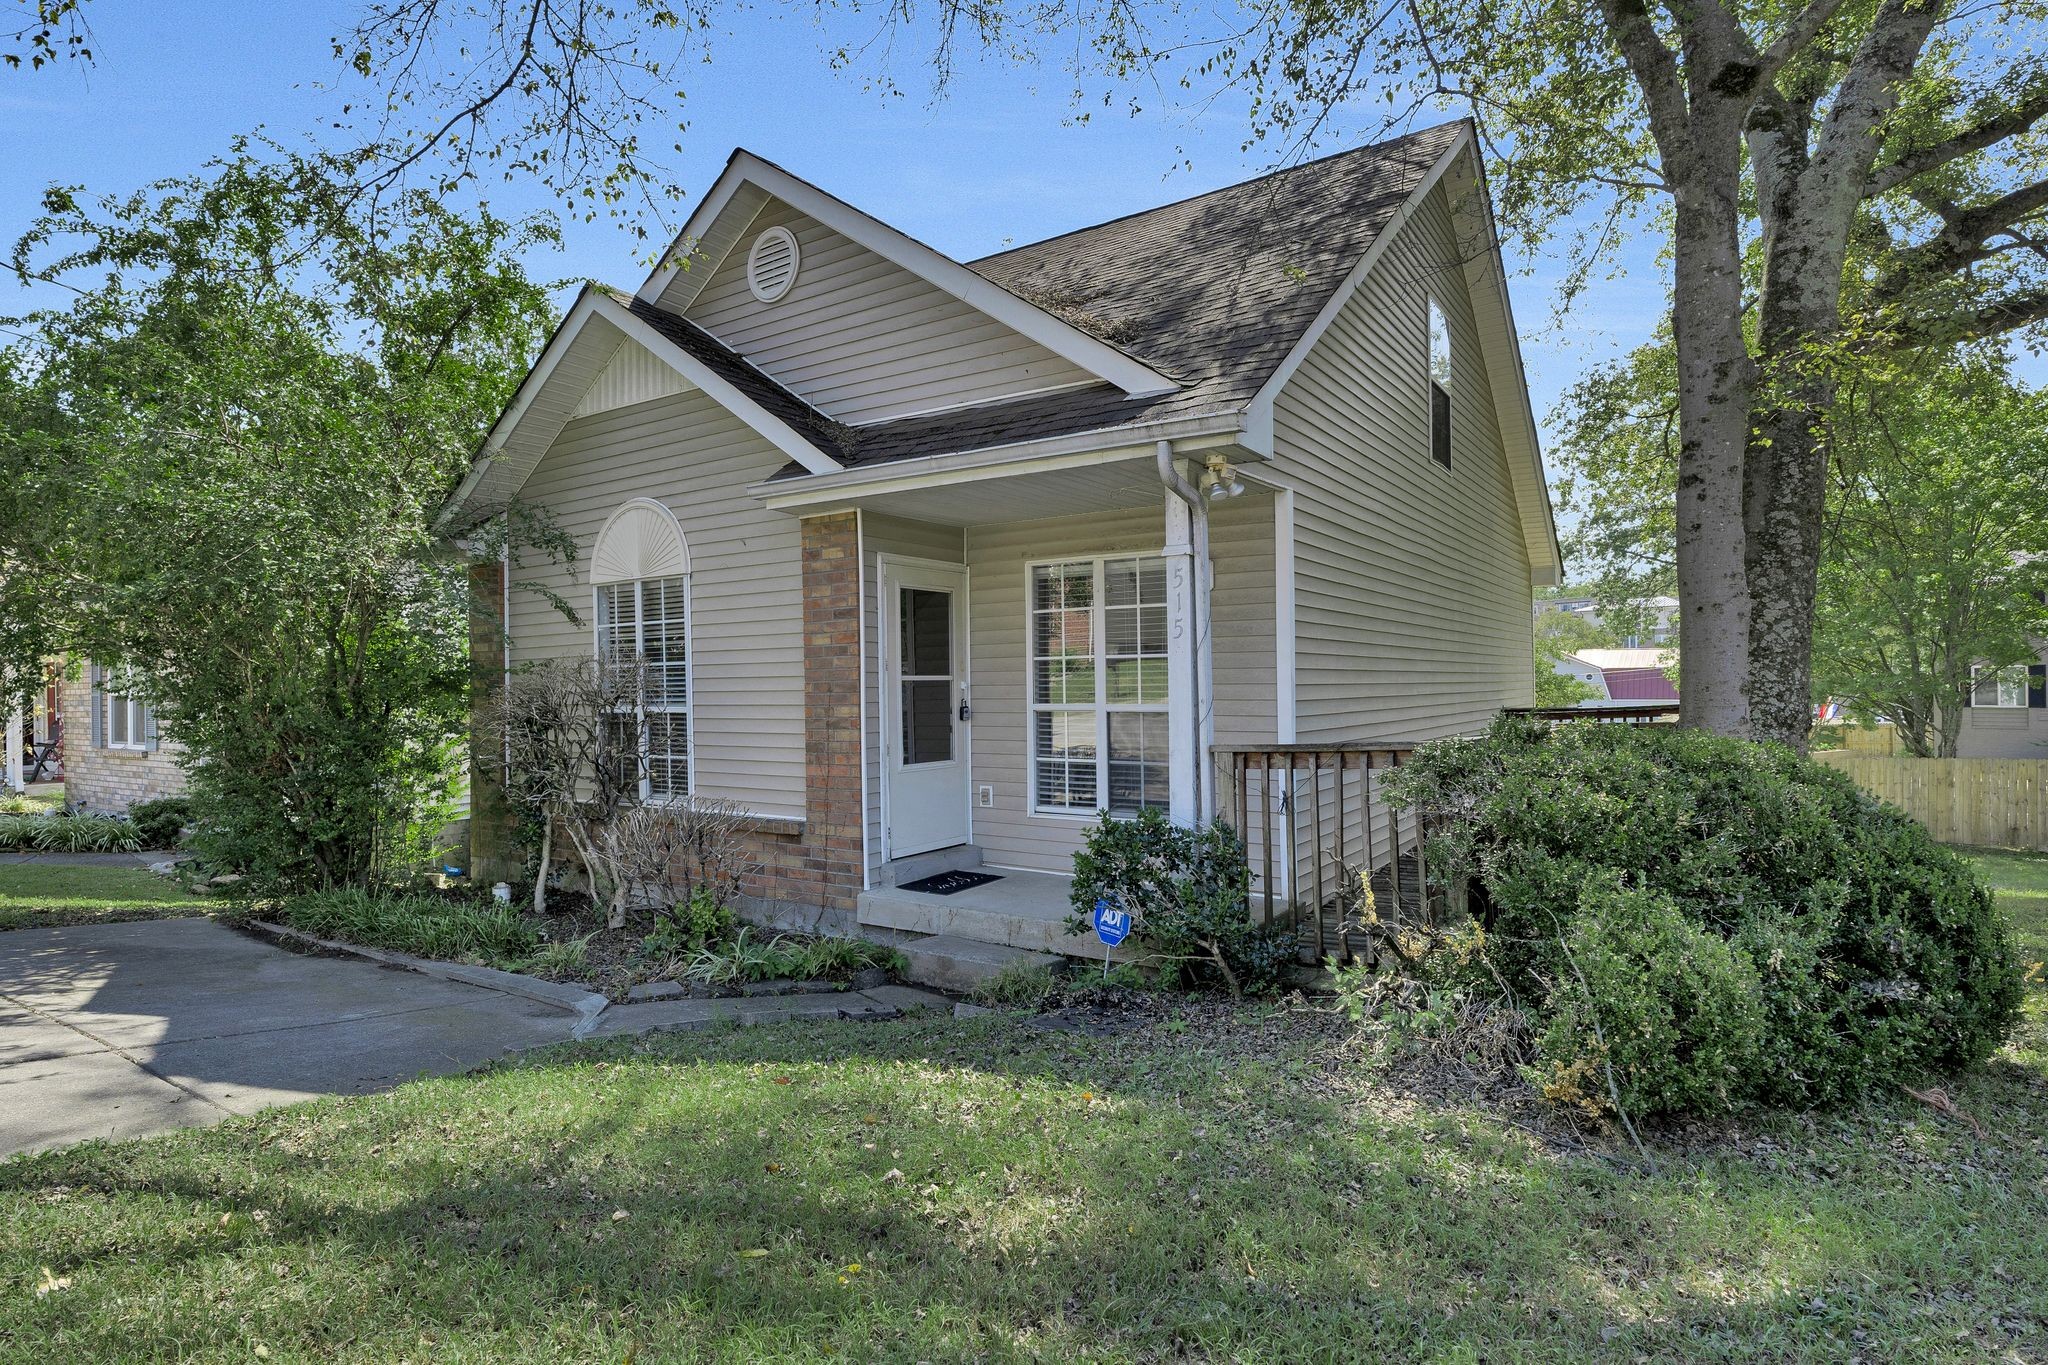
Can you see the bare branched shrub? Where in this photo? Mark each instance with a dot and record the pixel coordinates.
(567, 734)
(566, 738)
(670, 854)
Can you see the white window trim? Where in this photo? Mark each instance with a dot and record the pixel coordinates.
(1433, 307)
(689, 707)
(1979, 672)
(137, 717)
(1102, 708)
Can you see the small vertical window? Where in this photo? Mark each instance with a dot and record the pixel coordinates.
(124, 723)
(647, 621)
(1439, 385)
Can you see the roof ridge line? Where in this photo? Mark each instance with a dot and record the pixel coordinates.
(1380, 146)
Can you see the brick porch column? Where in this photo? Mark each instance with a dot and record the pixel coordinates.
(832, 723)
(494, 855)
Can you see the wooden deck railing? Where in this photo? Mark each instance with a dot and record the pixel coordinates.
(1649, 713)
(1314, 821)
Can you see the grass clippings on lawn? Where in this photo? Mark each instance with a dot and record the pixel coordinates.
(1128, 1182)
(43, 895)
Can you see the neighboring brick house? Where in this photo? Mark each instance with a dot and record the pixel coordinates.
(112, 755)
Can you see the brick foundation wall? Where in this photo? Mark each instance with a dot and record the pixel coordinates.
(108, 781)
(812, 880)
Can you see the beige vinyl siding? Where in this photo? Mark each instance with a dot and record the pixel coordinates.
(746, 581)
(864, 340)
(1241, 548)
(1412, 581)
(886, 535)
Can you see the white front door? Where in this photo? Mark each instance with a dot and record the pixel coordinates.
(924, 704)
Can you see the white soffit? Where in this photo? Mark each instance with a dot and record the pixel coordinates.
(633, 375)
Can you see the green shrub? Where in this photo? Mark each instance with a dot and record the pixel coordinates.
(1189, 890)
(701, 919)
(57, 832)
(1017, 986)
(838, 959)
(1669, 1008)
(161, 823)
(747, 957)
(444, 927)
(1870, 953)
(567, 957)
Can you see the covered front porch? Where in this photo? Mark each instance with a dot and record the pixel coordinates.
(1046, 641)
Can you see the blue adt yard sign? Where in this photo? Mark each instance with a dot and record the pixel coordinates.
(1112, 925)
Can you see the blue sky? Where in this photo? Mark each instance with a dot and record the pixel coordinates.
(999, 160)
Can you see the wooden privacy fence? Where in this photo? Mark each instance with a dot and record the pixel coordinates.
(1990, 802)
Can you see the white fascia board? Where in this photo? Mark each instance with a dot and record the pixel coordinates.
(1259, 416)
(1488, 276)
(1061, 338)
(597, 302)
(673, 261)
(522, 398)
(1030, 457)
(769, 427)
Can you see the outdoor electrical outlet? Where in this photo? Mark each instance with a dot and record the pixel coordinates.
(987, 795)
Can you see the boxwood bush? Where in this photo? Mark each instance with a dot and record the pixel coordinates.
(1718, 922)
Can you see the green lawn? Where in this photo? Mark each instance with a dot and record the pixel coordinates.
(34, 895)
(932, 1189)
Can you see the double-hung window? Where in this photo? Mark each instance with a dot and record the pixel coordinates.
(126, 722)
(647, 620)
(1099, 731)
(1439, 385)
(2006, 687)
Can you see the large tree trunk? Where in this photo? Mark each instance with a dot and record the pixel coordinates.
(1785, 496)
(1715, 383)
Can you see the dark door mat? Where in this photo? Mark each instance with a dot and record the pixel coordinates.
(948, 883)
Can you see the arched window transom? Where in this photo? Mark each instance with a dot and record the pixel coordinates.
(640, 570)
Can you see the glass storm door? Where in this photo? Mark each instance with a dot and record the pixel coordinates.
(924, 705)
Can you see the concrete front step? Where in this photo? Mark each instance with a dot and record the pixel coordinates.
(953, 963)
(959, 858)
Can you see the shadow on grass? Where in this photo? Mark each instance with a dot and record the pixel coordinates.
(928, 1190)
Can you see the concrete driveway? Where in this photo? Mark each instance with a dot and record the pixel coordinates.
(118, 1030)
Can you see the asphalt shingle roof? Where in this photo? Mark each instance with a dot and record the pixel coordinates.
(1212, 291)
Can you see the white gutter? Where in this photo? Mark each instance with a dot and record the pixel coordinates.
(1052, 453)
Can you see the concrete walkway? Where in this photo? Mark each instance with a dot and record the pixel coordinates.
(146, 858)
(120, 1030)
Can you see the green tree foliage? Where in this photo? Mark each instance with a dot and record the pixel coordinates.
(1936, 554)
(1557, 634)
(1936, 523)
(1724, 922)
(243, 423)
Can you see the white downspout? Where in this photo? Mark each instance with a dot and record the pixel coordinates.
(1197, 720)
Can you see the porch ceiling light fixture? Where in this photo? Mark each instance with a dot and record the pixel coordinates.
(1220, 479)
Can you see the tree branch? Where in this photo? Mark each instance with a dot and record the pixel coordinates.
(2017, 119)
(1804, 28)
(1656, 71)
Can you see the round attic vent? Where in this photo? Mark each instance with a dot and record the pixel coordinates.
(771, 265)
